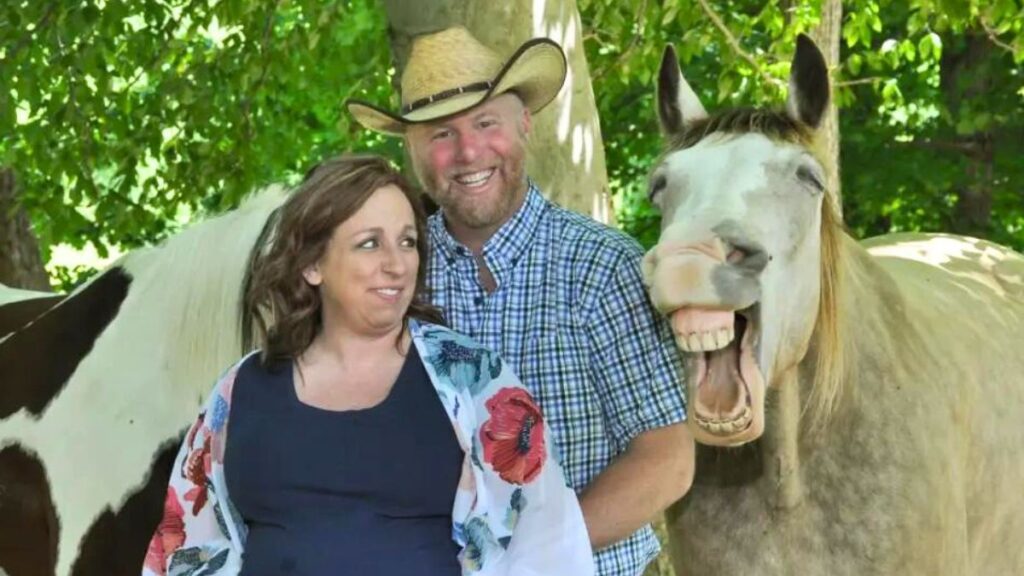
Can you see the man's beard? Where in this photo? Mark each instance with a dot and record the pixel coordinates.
(480, 213)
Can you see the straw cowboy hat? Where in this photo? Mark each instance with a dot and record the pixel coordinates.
(450, 72)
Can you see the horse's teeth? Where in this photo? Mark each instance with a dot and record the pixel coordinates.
(708, 340)
(682, 343)
(694, 341)
(724, 337)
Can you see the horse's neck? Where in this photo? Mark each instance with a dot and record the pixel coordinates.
(781, 443)
(864, 284)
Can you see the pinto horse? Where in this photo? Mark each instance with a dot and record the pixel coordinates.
(98, 388)
(19, 307)
(859, 405)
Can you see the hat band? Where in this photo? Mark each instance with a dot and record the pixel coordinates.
(474, 87)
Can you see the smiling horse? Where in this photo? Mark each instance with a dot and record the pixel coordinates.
(859, 406)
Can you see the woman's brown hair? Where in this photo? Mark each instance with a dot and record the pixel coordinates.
(276, 297)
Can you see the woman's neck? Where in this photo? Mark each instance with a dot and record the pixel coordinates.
(340, 344)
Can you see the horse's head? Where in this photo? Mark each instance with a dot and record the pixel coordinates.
(738, 265)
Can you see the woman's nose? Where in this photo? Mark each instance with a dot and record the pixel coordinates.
(393, 262)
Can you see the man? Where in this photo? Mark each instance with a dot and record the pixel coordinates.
(558, 295)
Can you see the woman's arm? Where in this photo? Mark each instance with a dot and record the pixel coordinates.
(196, 530)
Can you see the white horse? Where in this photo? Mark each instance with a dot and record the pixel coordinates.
(98, 390)
(860, 405)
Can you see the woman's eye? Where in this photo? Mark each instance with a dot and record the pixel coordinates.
(367, 244)
(409, 242)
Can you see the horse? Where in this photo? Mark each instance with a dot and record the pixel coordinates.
(19, 307)
(99, 387)
(858, 406)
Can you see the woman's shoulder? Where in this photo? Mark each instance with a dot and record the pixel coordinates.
(459, 359)
(435, 333)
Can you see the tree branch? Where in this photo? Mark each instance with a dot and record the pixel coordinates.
(735, 45)
(858, 81)
(43, 20)
(963, 147)
(993, 36)
(629, 48)
(268, 28)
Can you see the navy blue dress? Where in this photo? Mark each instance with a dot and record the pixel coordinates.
(364, 492)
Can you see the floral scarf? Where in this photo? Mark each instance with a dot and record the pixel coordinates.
(514, 513)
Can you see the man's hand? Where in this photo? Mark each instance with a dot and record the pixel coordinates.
(655, 470)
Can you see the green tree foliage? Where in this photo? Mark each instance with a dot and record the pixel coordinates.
(921, 104)
(125, 118)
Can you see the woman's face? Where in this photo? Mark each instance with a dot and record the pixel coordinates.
(367, 274)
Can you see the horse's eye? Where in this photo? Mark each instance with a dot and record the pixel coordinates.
(810, 176)
(658, 184)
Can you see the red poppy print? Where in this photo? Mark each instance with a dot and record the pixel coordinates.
(169, 535)
(513, 437)
(196, 469)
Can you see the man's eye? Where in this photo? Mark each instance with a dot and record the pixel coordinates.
(440, 135)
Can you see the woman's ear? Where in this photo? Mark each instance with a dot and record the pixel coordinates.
(312, 275)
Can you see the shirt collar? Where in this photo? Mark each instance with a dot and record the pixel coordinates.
(504, 249)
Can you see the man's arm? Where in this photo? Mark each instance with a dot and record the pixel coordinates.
(655, 470)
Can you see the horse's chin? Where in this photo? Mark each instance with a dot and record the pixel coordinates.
(724, 382)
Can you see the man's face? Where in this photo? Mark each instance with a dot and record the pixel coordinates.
(473, 165)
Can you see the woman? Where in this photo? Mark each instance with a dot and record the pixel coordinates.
(365, 438)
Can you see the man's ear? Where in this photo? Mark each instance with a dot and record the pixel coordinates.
(312, 275)
(527, 120)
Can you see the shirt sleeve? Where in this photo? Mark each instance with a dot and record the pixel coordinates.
(637, 367)
(193, 535)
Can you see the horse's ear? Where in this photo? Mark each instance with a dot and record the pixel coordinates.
(678, 105)
(808, 84)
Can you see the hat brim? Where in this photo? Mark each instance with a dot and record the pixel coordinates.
(535, 73)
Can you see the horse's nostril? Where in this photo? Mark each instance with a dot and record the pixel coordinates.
(751, 257)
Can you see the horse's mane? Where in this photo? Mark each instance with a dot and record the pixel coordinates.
(780, 127)
(196, 276)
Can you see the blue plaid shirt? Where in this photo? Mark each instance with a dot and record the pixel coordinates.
(572, 317)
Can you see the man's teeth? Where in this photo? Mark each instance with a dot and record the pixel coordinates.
(474, 179)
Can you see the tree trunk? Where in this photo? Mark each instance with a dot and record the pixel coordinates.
(20, 263)
(964, 77)
(566, 152)
(827, 35)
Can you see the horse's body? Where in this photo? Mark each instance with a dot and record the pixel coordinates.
(97, 392)
(905, 457)
(19, 307)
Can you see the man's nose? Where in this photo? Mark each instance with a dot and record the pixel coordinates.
(468, 148)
